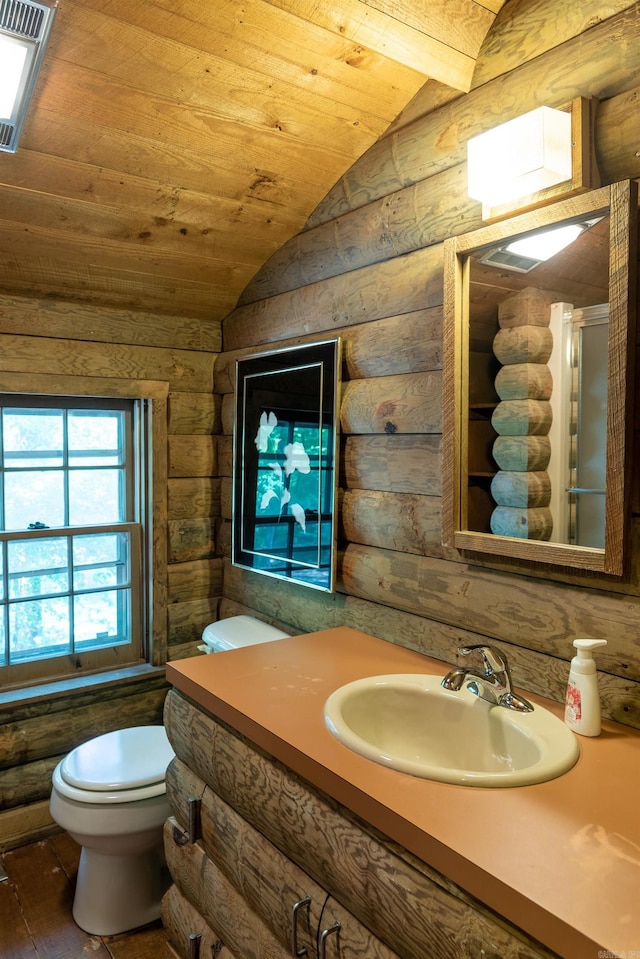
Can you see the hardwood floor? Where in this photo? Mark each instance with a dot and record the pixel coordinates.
(35, 911)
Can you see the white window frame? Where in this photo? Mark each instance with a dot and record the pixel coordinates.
(151, 641)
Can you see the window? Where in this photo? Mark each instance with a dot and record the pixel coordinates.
(73, 526)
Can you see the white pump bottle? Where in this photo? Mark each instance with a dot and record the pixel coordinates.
(582, 704)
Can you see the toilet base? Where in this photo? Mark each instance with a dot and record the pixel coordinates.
(117, 893)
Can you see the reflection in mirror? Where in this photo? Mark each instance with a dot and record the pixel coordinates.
(285, 463)
(538, 316)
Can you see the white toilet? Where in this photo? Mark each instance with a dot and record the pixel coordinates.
(109, 794)
(238, 631)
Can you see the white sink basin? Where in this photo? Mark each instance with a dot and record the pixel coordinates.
(408, 722)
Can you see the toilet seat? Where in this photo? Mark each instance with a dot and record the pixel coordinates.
(126, 765)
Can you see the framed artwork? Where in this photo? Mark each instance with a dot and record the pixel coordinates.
(285, 463)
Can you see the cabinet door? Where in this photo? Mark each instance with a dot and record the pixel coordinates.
(269, 883)
(184, 924)
(217, 901)
(342, 936)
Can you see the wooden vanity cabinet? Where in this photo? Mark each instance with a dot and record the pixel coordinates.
(267, 839)
(246, 889)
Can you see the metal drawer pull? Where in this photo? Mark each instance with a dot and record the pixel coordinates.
(324, 935)
(295, 909)
(194, 945)
(194, 819)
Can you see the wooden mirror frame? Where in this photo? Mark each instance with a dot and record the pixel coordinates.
(620, 200)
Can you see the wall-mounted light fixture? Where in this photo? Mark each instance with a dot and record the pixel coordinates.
(533, 159)
(24, 29)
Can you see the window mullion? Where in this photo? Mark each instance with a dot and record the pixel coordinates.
(65, 466)
(72, 607)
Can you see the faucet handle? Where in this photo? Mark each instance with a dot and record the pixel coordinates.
(494, 660)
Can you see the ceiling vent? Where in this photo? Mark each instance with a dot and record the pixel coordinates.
(24, 29)
(22, 19)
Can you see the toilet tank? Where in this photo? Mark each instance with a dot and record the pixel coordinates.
(238, 631)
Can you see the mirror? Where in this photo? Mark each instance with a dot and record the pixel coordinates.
(538, 379)
(285, 463)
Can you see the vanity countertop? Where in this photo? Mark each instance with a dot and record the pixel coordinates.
(561, 859)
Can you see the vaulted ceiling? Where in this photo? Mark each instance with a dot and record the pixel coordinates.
(172, 147)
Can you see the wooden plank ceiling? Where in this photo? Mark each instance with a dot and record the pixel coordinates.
(172, 146)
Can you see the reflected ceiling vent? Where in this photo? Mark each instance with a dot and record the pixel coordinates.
(501, 258)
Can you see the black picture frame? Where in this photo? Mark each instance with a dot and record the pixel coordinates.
(285, 463)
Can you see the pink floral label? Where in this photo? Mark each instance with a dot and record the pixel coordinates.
(573, 708)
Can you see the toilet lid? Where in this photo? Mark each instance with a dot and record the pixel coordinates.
(124, 759)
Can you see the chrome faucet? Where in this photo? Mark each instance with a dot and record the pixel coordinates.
(492, 684)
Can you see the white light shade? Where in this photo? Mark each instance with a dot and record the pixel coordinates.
(520, 157)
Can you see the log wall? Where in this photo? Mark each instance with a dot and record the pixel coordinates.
(64, 343)
(369, 267)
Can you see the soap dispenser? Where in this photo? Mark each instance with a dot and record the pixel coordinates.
(582, 703)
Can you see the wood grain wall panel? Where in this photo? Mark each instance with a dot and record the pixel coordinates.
(191, 413)
(523, 33)
(193, 497)
(228, 413)
(517, 609)
(408, 343)
(187, 620)
(393, 462)
(400, 521)
(289, 606)
(184, 370)
(225, 455)
(226, 497)
(198, 579)
(400, 222)
(404, 403)
(45, 270)
(190, 539)
(402, 285)
(194, 455)
(78, 321)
